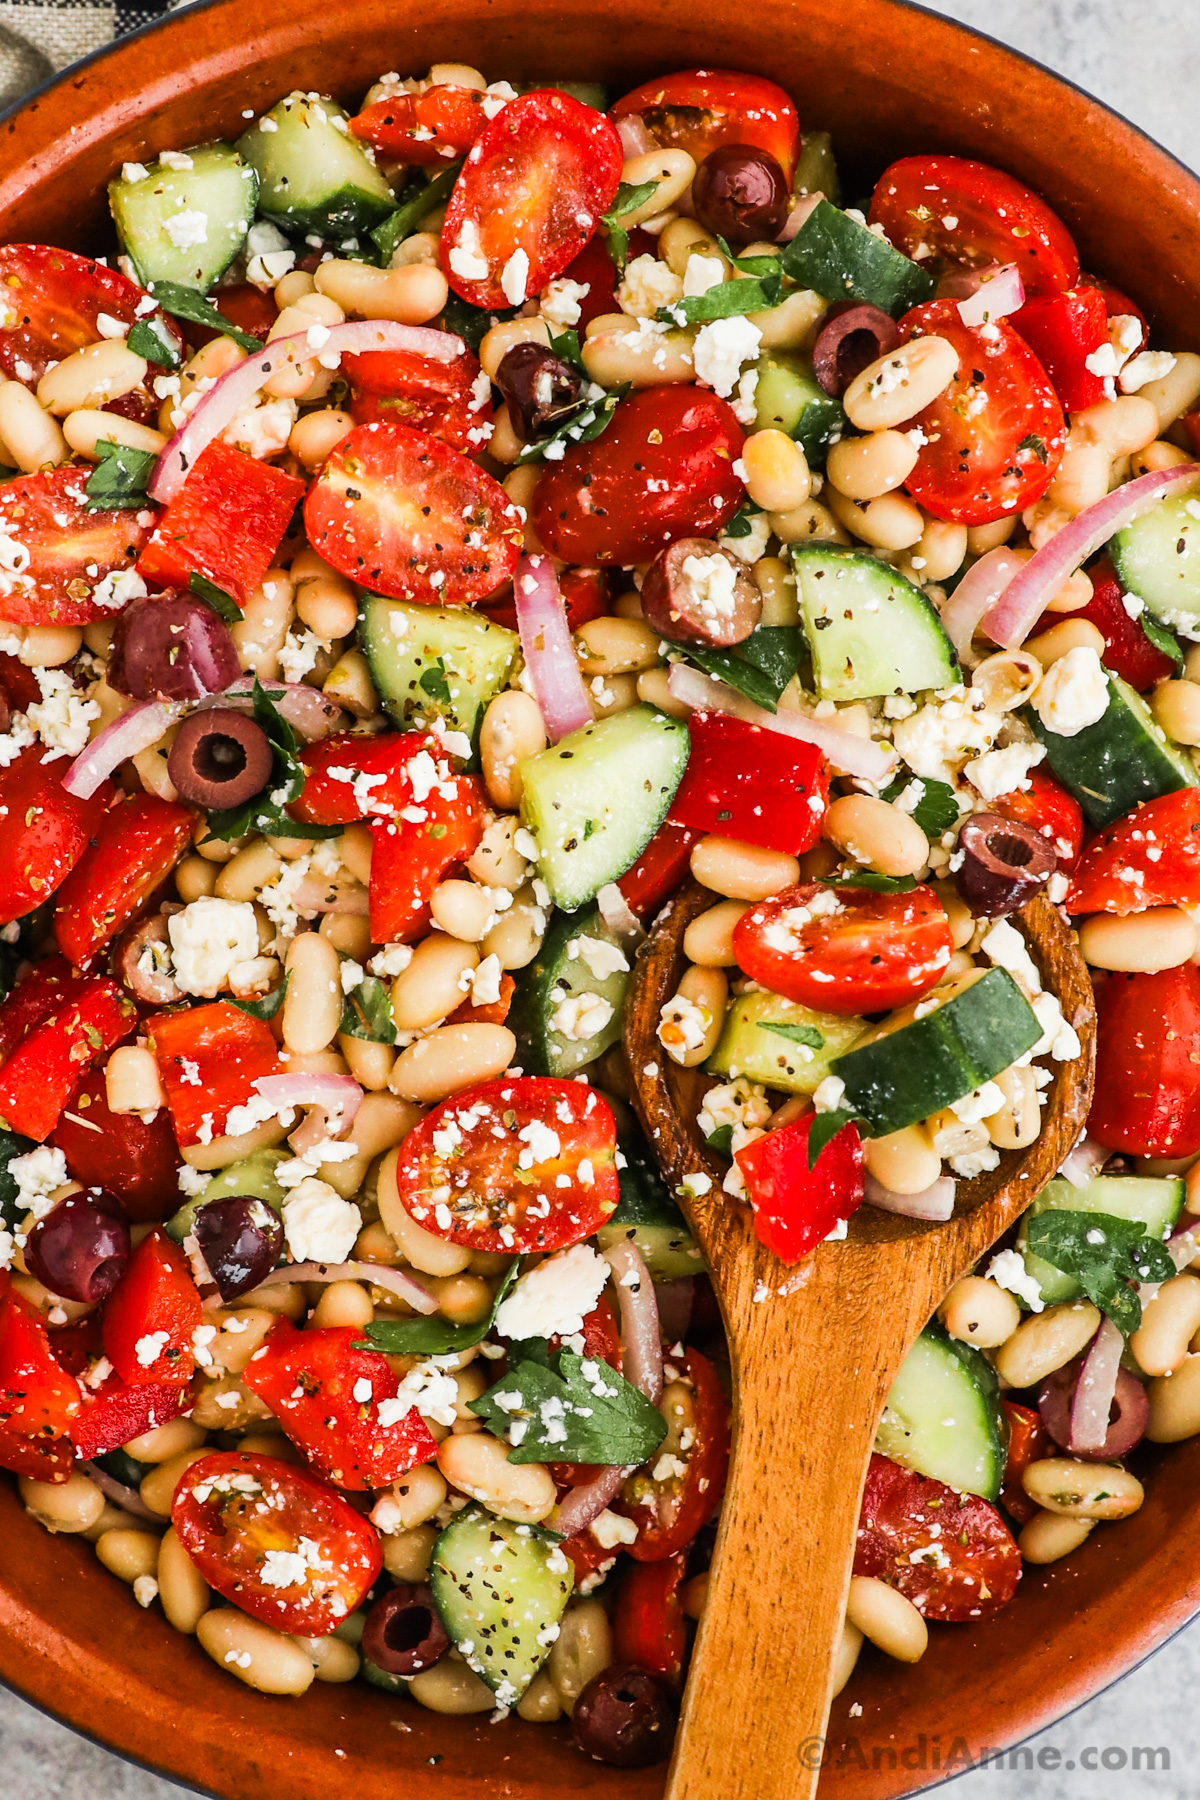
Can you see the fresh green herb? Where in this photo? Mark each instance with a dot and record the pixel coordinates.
(186, 303)
(937, 809)
(269, 1005)
(580, 428)
(565, 345)
(726, 299)
(838, 258)
(434, 1337)
(472, 323)
(432, 681)
(223, 604)
(740, 525)
(575, 1409)
(753, 265)
(759, 667)
(795, 1034)
(1162, 639)
(721, 1140)
(367, 1013)
(825, 1128)
(1037, 445)
(150, 338)
(627, 200)
(118, 481)
(871, 880)
(406, 218)
(264, 813)
(1106, 1255)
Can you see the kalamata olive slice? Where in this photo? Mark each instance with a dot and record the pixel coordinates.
(171, 647)
(542, 391)
(697, 593)
(625, 1717)
(403, 1633)
(1004, 864)
(240, 1239)
(81, 1247)
(853, 334)
(1128, 1416)
(220, 758)
(740, 193)
(142, 962)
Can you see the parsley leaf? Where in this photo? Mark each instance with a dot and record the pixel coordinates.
(739, 526)
(149, 338)
(268, 1006)
(223, 604)
(795, 1034)
(472, 323)
(871, 880)
(434, 1336)
(367, 1013)
(721, 1140)
(264, 812)
(937, 809)
(626, 200)
(1161, 637)
(118, 481)
(575, 1409)
(185, 303)
(432, 681)
(565, 345)
(1106, 1255)
(1037, 445)
(825, 1127)
(759, 667)
(579, 428)
(404, 221)
(840, 259)
(727, 298)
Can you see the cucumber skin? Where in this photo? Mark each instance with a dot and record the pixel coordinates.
(648, 1216)
(521, 1601)
(540, 1049)
(993, 1423)
(356, 201)
(1123, 759)
(875, 650)
(744, 1048)
(1149, 564)
(478, 657)
(789, 398)
(1062, 1196)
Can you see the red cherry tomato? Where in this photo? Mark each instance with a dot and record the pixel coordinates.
(395, 509)
(670, 1512)
(1028, 1442)
(1049, 808)
(433, 127)
(43, 829)
(589, 1559)
(845, 950)
(33, 1000)
(249, 1523)
(38, 1399)
(116, 1412)
(51, 302)
(648, 1623)
(995, 437)
(662, 470)
(796, 1207)
(310, 1380)
(660, 868)
(36, 1082)
(1150, 858)
(209, 1058)
(225, 523)
(967, 215)
(332, 792)
(698, 110)
(452, 401)
(135, 849)
(71, 550)
(529, 197)
(1147, 1095)
(951, 1554)
(151, 1316)
(595, 270)
(410, 856)
(529, 1164)
(1117, 304)
(1128, 652)
(585, 595)
(136, 1161)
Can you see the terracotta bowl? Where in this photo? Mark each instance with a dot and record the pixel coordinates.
(888, 80)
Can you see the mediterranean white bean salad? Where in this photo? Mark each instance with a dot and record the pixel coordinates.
(428, 537)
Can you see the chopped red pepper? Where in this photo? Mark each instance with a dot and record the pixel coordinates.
(1063, 330)
(44, 1459)
(41, 1074)
(136, 847)
(116, 1412)
(796, 1207)
(151, 1316)
(225, 523)
(333, 794)
(660, 868)
(751, 784)
(488, 1012)
(38, 1399)
(410, 857)
(43, 829)
(33, 1000)
(1127, 651)
(209, 1059)
(136, 1160)
(648, 1626)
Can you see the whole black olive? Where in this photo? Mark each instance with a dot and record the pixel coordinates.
(220, 758)
(240, 1239)
(853, 334)
(81, 1248)
(625, 1717)
(542, 391)
(403, 1633)
(1004, 864)
(740, 193)
(171, 647)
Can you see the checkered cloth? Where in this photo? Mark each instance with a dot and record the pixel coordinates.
(39, 37)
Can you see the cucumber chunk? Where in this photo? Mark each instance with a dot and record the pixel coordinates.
(595, 799)
(185, 224)
(1154, 1201)
(790, 1058)
(870, 631)
(314, 177)
(647, 1216)
(1158, 559)
(943, 1416)
(253, 1175)
(380, 1678)
(433, 660)
(1124, 758)
(917, 1069)
(788, 397)
(579, 956)
(499, 1588)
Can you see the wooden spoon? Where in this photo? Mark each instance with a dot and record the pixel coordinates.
(815, 1350)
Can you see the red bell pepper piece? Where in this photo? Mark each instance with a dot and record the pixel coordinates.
(43, 829)
(33, 1000)
(135, 1161)
(41, 1074)
(754, 785)
(1147, 1095)
(1149, 858)
(1028, 1442)
(1117, 304)
(38, 1399)
(489, 1012)
(333, 794)
(309, 1378)
(209, 1059)
(1063, 330)
(1128, 652)
(1046, 805)
(44, 1459)
(225, 523)
(151, 1316)
(585, 595)
(660, 868)
(796, 1207)
(116, 1412)
(136, 847)
(410, 857)
(648, 1627)
(442, 122)
(669, 1513)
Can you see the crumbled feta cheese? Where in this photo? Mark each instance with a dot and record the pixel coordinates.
(186, 229)
(714, 584)
(555, 1298)
(581, 1016)
(149, 1348)
(829, 1094)
(1151, 365)
(485, 982)
(701, 273)
(682, 1027)
(1005, 947)
(753, 543)
(560, 303)
(646, 285)
(428, 1387)
(62, 717)
(720, 350)
(985, 1101)
(611, 1530)
(952, 728)
(38, 1174)
(1007, 1269)
(319, 1225)
(1003, 771)
(261, 432)
(1073, 693)
(299, 653)
(467, 260)
(602, 958)
(208, 939)
(735, 1103)
(975, 1162)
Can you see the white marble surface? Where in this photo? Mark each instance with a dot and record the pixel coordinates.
(1142, 57)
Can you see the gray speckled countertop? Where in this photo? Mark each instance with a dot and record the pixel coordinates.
(1142, 57)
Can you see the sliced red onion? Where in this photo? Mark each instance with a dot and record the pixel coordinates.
(935, 1202)
(995, 297)
(338, 1094)
(801, 211)
(641, 1336)
(634, 136)
(588, 1499)
(1095, 1390)
(1025, 597)
(127, 1498)
(674, 1299)
(1060, 1399)
(848, 752)
(960, 284)
(548, 649)
(127, 736)
(304, 708)
(1084, 1162)
(976, 595)
(378, 1274)
(234, 390)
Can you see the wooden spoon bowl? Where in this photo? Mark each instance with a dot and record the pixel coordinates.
(815, 1350)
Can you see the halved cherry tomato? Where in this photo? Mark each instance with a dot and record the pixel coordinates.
(1028, 1442)
(1149, 858)
(43, 829)
(433, 127)
(662, 470)
(410, 856)
(753, 785)
(151, 1316)
(50, 301)
(116, 1412)
(951, 1554)
(38, 1399)
(19, 683)
(135, 1160)
(670, 1512)
(948, 213)
(225, 523)
(1147, 1094)
(660, 868)
(334, 794)
(845, 950)
(796, 1207)
(311, 1382)
(251, 309)
(1128, 652)
(595, 270)
(1049, 808)
(648, 1624)
(995, 437)
(404, 514)
(71, 550)
(698, 110)
(452, 401)
(249, 1522)
(1063, 331)
(209, 1059)
(135, 849)
(529, 197)
(585, 595)
(36, 1082)
(512, 1166)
